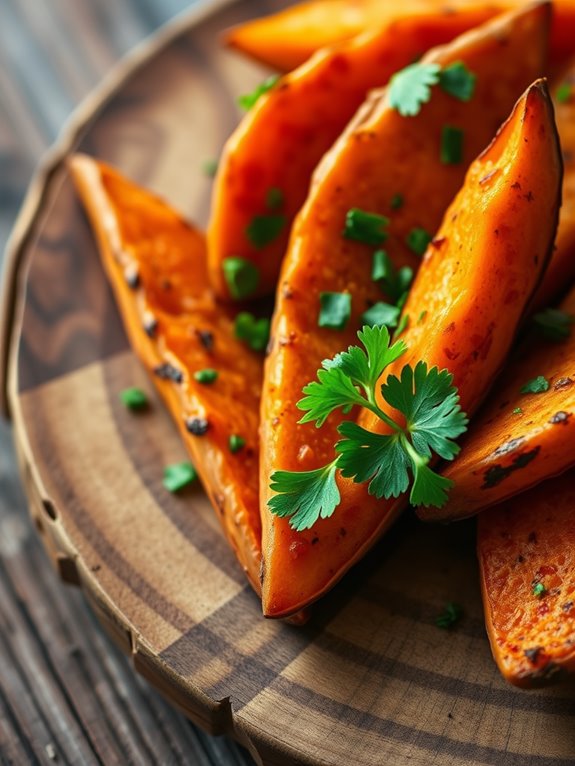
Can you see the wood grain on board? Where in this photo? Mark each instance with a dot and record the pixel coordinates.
(371, 679)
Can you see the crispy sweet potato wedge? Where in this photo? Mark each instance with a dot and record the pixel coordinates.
(281, 140)
(518, 439)
(156, 264)
(526, 550)
(467, 300)
(561, 270)
(286, 39)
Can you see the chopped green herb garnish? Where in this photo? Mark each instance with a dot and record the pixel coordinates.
(255, 332)
(368, 228)
(450, 616)
(417, 240)
(539, 590)
(248, 100)
(553, 323)
(335, 310)
(210, 167)
(536, 386)
(236, 443)
(274, 198)
(411, 87)
(431, 419)
(402, 326)
(178, 476)
(517, 411)
(134, 398)
(206, 376)
(458, 81)
(563, 93)
(381, 314)
(395, 283)
(451, 145)
(241, 276)
(396, 202)
(421, 317)
(263, 229)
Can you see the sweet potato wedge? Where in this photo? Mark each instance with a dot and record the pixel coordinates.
(561, 270)
(288, 38)
(281, 140)
(518, 439)
(465, 311)
(526, 550)
(156, 264)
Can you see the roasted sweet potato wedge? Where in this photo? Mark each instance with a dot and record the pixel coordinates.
(561, 271)
(266, 166)
(518, 439)
(526, 550)
(156, 263)
(286, 39)
(476, 278)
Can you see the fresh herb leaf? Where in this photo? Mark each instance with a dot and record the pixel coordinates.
(210, 167)
(553, 323)
(368, 228)
(236, 443)
(263, 229)
(402, 326)
(241, 276)
(206, 376)
(248, 100)
(417, 240)
(396, 202)
(410, 88)
(458, 81)
(254, 332)
(274, 198)
(517, 411)
(421, 317)
(451, 145)
(381, 314)
(450, 616)
(335, 310)
(134, 398)
(304, 496)
(537, 385)
(539, 590)
(395, 283)
(431, 420)
(563, 93)
(178, 476)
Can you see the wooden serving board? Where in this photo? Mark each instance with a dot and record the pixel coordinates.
(371, 679)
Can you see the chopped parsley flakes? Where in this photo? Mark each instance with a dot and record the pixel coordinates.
(241, 276)
(451, 145)
(335, 310)
(537, 385)
(248, 100)
(368, 228)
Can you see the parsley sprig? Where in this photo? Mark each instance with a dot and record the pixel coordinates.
(410, 88)
(431, 419)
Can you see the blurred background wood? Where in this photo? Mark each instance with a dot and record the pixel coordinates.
(67, 695)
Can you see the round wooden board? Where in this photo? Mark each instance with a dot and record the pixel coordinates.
(371, 679)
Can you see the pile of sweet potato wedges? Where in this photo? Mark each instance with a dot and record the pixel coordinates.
(489, 235)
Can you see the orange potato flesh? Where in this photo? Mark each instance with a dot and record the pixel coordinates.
(561, 270)
(506, 452)
(526, 550)
(281, 140)
(286, 39)
(300, 567)
(139, 234)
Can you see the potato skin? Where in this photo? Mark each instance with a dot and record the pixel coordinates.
(138, 234)
(298, 568)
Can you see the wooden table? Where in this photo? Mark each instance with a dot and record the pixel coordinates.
(67, 695)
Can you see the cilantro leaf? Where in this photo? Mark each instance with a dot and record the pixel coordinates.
(429, 488)
(304, 496)
(411, 87)
(379, 458)
(458, 81)
(332, 389)
(431, 408)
